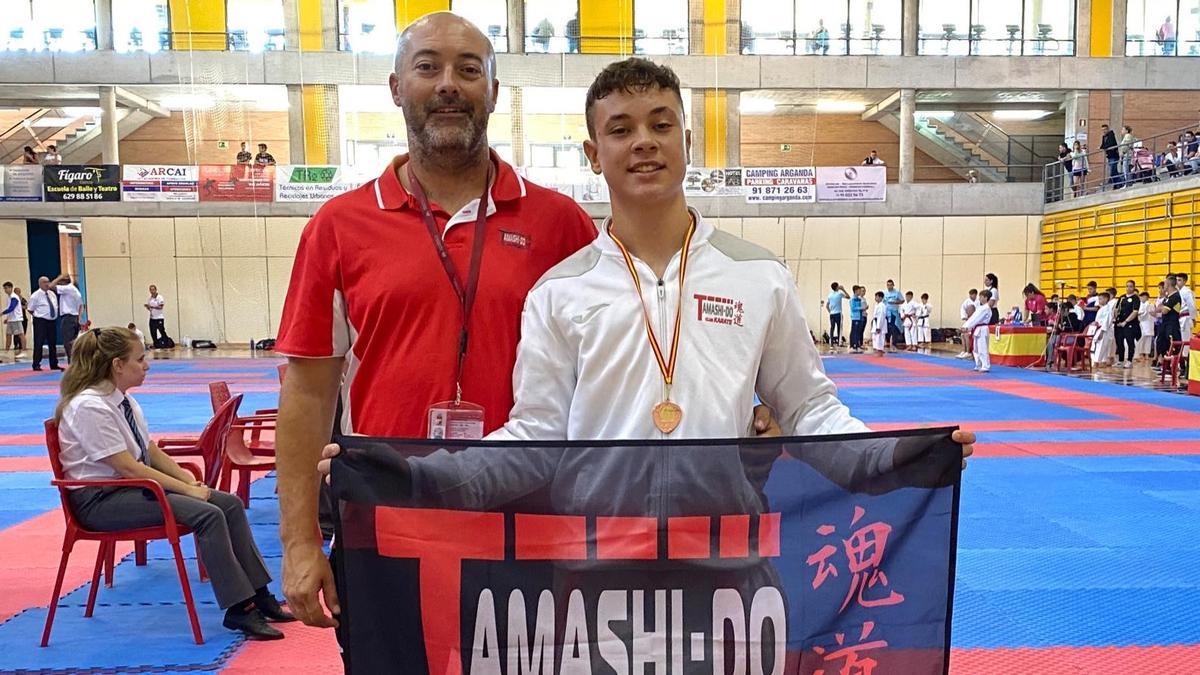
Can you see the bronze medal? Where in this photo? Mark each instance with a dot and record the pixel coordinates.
(667, 416)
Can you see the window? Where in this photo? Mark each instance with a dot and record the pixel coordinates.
(491, 16)
(997, 27)
(834, 27)
(660, 27)
(255, 25)
(1162, 28)
(367, 26)
(551, 26)
(56, 25)
(140, 25)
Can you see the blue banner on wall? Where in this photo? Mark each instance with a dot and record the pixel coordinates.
(780, 556)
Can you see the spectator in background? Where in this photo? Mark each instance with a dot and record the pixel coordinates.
(1169, 310)
(158, 321)
(71, 308)
(834, 304)
(1079, 168)
(1126, 327)
(821, 40)
(264, 158)
(244, 156)
(138, 331)
(1108, 143)
(1035, 306)
(1172, 160)
(1191, 152)
(873, 159)
(10, 320)
(572, 35)
(542, 34)
(29, 156)
(858, 318)
(991, 284)
(1166, 37)
(51, 158)
(43, 304)
(24, 315)
(965, 311)
(892, 301)
(1127, 142)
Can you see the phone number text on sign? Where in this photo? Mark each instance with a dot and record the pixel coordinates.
(780, 185)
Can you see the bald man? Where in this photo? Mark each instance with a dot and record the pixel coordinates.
(43, 305)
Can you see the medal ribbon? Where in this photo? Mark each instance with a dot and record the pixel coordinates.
(665, 366)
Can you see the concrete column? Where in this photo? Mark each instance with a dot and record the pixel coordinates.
(291, 25)
(516, 32)
(908, 130)
(1083, 27)
(909, 28)
(696, 27)
(1116, 111)
(333, 124)
(104, 27)
(696, 122)
(733, 129)
(108, 126)
(1119, 8)
(1076, 108)
(733, 28)
(295, 96)
(517, 121)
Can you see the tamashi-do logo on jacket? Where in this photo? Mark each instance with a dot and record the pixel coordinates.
(715, 309)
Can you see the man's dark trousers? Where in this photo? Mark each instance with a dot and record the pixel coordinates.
(44, 333)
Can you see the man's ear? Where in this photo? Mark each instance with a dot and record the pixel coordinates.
(593, 155)
(687, 146)
(394, 87)
(495, 96)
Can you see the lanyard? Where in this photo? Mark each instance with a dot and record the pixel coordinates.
(466, 296)
(665, 366)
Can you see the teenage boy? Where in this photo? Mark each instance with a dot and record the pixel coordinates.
(10, 321)
(834, 304)
(975, 329)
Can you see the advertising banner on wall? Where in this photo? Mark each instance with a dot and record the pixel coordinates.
(297, 183)
(80, 183)
(851, 183)
(780, 185)
(160, 183)
(723, 182)
(236, 183)
(788, 558)
(21, 183)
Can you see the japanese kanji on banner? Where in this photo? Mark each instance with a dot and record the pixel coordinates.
(813, 556)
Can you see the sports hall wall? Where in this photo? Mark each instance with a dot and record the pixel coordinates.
(225, 278)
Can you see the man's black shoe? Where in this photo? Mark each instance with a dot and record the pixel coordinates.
(271, 610)
(55, 368)
(252, 624)
(38, 368)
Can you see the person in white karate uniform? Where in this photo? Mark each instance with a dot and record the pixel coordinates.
(908, 317)
(879, 325)
(976, 327)
(1146, 317)
(1103, 344)
(924, 311)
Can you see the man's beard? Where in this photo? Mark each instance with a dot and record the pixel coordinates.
(450, 145)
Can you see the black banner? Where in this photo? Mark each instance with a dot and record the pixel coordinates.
(78, 183)
(780, 556)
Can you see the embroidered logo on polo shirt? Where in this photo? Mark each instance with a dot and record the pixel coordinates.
(715, 309)
(514, 239)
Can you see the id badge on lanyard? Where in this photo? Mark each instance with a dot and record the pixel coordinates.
(457, 419)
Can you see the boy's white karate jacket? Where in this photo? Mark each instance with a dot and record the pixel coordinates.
(585, 369)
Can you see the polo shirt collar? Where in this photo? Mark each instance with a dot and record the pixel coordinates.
(390, 194)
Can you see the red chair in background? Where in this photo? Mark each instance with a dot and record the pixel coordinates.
(1170, 363)
(209, 446)
(1076, 348)
(258, 423)
(170, 530)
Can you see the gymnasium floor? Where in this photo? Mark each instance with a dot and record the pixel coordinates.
(1079, 548)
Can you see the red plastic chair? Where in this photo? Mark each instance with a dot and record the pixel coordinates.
(1170, 363)
(170, 530)
(209, 446)
(261, 421)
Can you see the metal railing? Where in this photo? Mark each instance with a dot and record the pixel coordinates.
(1165, 156)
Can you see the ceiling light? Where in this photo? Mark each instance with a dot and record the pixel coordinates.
(840, 106)
(1025, 115)
(750, 105)
(188, 102)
